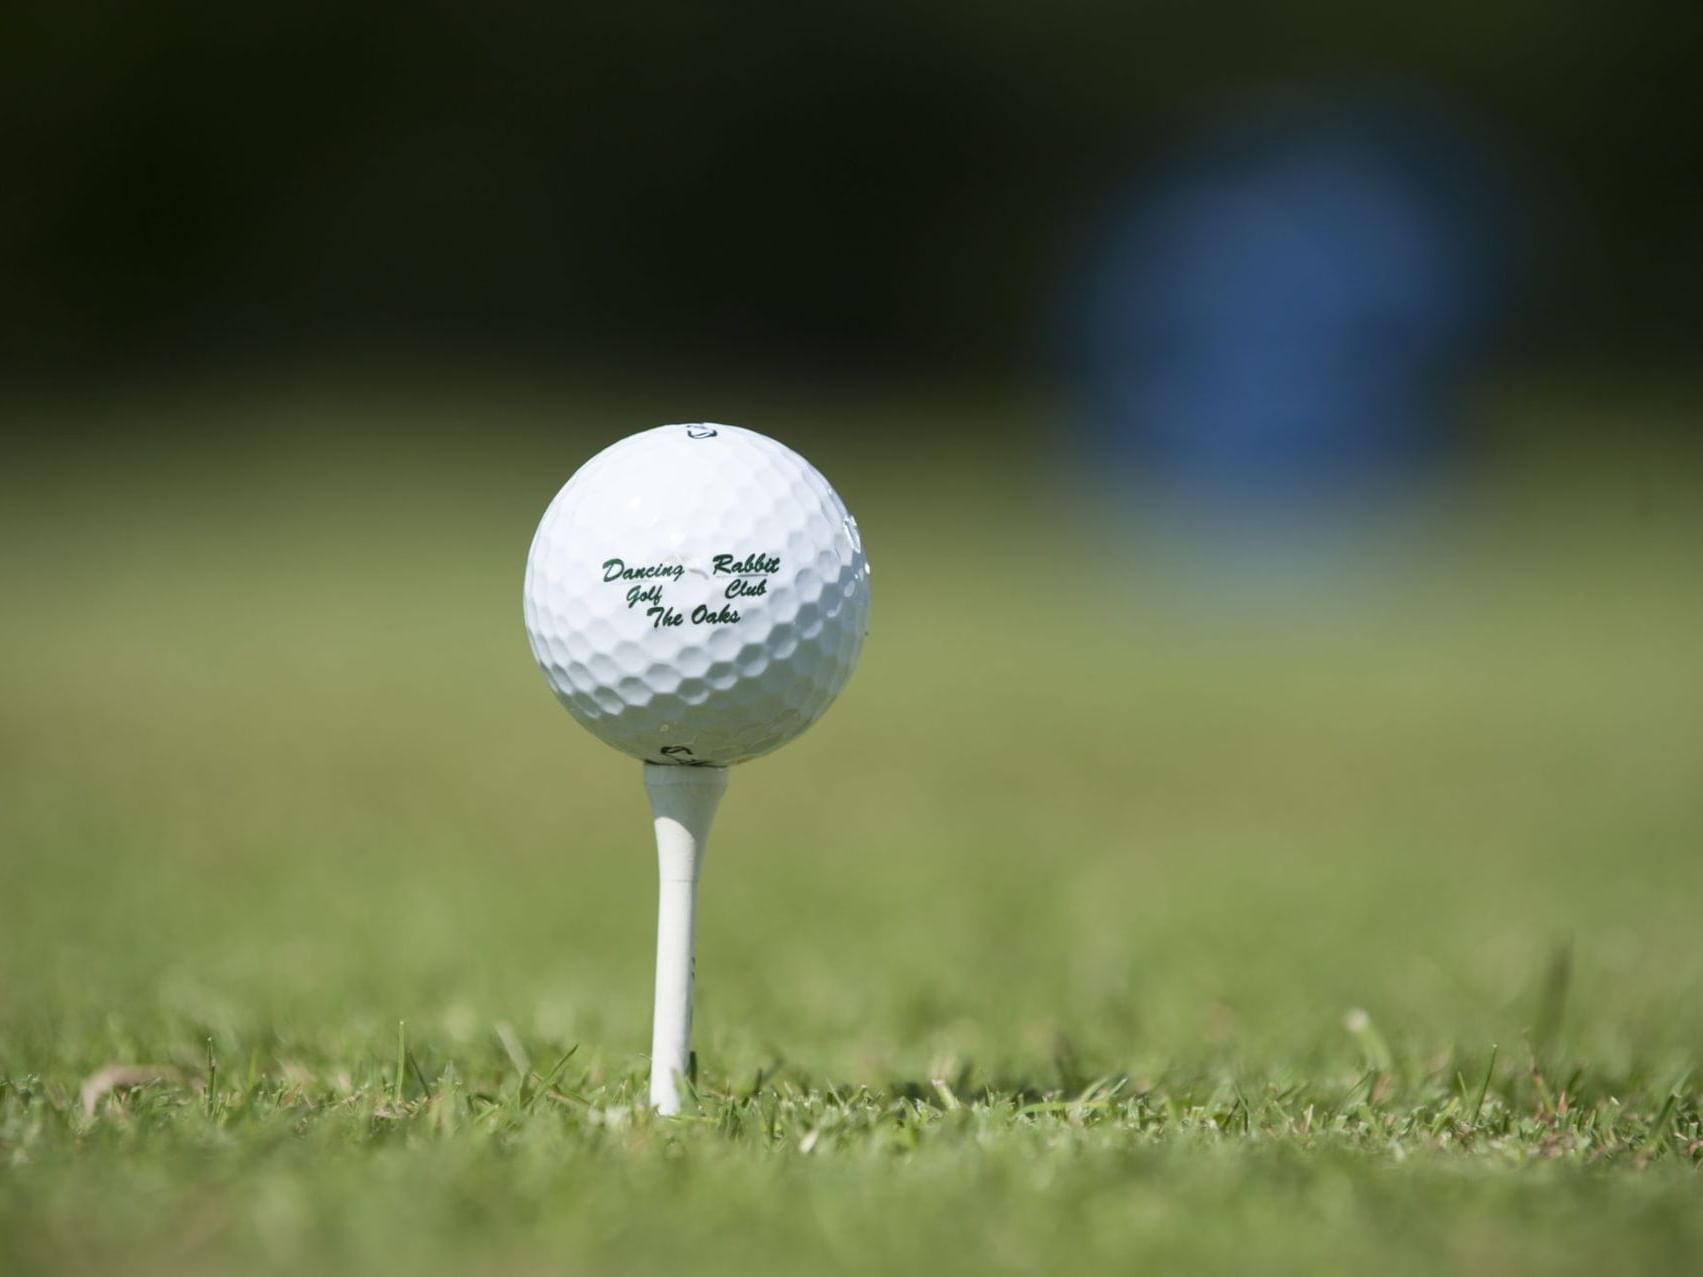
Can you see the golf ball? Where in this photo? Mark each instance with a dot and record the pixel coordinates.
(697, 594)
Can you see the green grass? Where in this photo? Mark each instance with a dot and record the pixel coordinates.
(1099, 925)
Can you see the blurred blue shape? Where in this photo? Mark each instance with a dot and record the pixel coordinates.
(1275, 327)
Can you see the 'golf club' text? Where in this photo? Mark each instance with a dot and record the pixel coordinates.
(747, 578)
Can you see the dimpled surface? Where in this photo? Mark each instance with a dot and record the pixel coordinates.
(697, 594)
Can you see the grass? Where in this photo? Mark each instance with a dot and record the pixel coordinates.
(1102, 924)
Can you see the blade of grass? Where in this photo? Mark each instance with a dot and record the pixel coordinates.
(549, 1080)
(1478, 1103)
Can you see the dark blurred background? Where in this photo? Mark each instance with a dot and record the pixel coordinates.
(767, 190)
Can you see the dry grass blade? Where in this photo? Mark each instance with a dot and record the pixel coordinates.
(123, 1077)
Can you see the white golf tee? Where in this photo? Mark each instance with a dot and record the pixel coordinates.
(683, 803)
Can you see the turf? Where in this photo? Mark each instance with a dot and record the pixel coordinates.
(1106, 922)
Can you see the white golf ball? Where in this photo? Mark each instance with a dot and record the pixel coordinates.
(697, 594)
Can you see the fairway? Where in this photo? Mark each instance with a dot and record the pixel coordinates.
(1100, 924)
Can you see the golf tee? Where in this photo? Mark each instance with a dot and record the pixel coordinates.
(683, 803)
